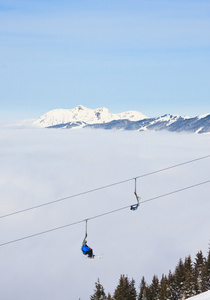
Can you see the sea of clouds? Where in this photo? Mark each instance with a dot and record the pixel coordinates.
(43, 165)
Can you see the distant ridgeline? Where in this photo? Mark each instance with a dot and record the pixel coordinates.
(188, 279)
(102, 118)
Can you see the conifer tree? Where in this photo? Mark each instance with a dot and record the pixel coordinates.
(125, 289)
(172, 286)
(199, 273)
(188, 286)
(164, 291)
(207, 279)
(132, 290)
(143, 287)
(179, 279)
(99, 293)
(155, 288)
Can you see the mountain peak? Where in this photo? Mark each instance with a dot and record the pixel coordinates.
(80, 107)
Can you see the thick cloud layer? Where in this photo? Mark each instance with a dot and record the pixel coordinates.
(39, 166)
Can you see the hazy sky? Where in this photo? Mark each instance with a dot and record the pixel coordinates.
(42, 165)
(150, 56)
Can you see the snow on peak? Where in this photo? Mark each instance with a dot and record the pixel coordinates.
(85, 115)
(203, 116)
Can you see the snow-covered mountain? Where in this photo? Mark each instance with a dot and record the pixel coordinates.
(84, 116)
(167, 122)
(130, 120)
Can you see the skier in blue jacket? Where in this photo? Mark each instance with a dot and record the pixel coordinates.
(86, 249)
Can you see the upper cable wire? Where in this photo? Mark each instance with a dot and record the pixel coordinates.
(102, 187)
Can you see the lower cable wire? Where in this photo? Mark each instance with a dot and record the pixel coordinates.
(103, 214)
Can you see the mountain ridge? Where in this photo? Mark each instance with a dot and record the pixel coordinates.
(82, 117)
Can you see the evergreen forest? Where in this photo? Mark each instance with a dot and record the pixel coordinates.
(189, 278)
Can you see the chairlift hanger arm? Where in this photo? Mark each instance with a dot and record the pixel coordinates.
(85, 232)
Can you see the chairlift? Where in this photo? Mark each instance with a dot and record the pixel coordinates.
(135, 206)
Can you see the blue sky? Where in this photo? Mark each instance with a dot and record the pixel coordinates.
(150, 56)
